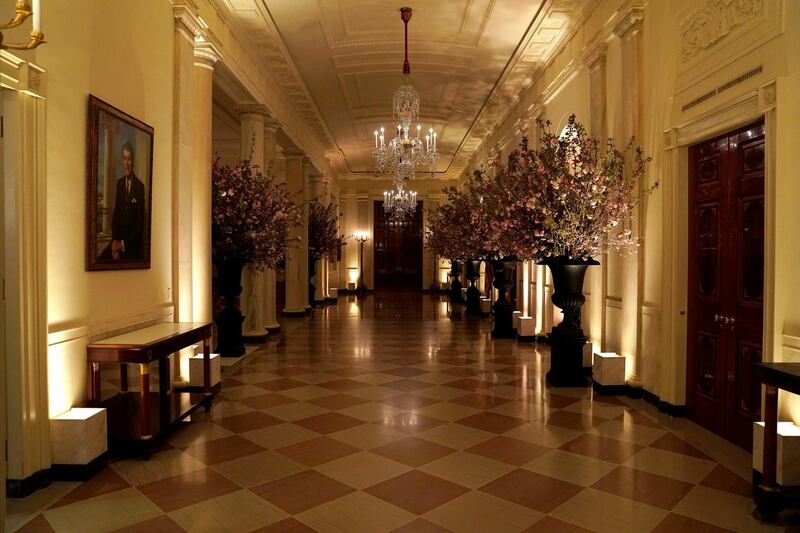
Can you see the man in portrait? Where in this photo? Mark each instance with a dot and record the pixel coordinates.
(128, 220)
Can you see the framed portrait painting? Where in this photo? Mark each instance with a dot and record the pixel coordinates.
(118, 189)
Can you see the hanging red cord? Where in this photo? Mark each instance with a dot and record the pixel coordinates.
(405, 15)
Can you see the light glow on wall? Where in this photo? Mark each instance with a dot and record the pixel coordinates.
(352, 274)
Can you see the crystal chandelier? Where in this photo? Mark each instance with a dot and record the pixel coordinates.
(400, 204)
(406, 152)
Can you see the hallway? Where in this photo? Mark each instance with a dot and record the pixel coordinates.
(384, 414)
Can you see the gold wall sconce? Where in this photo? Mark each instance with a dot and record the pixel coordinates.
(23, 11)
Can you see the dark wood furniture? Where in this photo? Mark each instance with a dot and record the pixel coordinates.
(136, 420)
(769, 497)
(397, 249)
(726, 282)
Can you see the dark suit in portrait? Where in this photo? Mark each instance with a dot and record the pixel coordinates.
(127, 224)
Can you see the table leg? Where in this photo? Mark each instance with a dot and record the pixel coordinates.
(144, 404)
(94, 384)
(768, 496)
(123, 377)
(207, 372)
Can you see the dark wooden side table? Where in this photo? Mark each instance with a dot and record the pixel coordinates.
(134, 420)
(767, 494)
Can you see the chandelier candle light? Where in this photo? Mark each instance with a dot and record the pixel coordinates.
(405, 152)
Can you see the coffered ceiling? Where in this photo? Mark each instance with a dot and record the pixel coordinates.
(340, 61)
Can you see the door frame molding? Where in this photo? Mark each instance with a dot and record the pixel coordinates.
(737, 112)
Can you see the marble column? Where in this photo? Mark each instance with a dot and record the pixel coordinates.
(251, 127)
(629, 31)
(317, 189)
(205, 56)
(269, 313)
(297, 252)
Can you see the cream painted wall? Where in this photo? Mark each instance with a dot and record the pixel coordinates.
(135, 75)
(667, 84)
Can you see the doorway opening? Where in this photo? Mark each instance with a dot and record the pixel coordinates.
(726, 282)
(397, 249)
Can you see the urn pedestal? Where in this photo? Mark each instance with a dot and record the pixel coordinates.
(229, 320)
(503, 310)
(455, 283)
(567, 338)
(473, 294)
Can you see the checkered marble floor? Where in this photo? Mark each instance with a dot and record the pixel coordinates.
(391, 415)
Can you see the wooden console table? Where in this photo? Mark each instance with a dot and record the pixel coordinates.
(769, 497)
(134, 420)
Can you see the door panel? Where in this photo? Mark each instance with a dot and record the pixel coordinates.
(726, 282)
(398, 249)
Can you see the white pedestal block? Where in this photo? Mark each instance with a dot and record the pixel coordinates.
(526, 326)
(608, 369)
(588, 351)
(788, 459)
(486, 306)
(334, 293)
(79, 436)
(515, 316)
(196, 370)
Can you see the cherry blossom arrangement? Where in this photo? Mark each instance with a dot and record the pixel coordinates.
(323, 230)
(565, 201)
(251, 215)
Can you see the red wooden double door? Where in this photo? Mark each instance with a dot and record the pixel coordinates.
(398, 249)
(726, 282)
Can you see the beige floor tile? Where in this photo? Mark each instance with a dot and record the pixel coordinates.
(375, 393)
(256, 377)
(456, 436)
(447, 411)
(234, 512)
(188, 433)
(590, 408)
(669, 464)
(307, 393)
(551, 436)
(377, 378)
(20, 510)
(241, 391)
(722, 509)
(347, 514)
(295, 411)
(363, 469)
(258, 468)
(160, 466)
(480, 513)
(442, 394)
(435, 378)
(279, 435)
(467, 469)
(313, 379)
(628, 432)
(371, 411)
(104, 513)
(606, 513)
(220, 410)
(523, 409)
(368, 436)
(575, 468)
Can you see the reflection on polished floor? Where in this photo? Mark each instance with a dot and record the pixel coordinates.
(386, 414)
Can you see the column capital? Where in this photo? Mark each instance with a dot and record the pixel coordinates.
(206, 54)
(252, 109)
(271, 125)
(630, 20)
(595, 54)
(293, 153)
(187, 22)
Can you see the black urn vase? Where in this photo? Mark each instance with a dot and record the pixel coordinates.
(312, 289)
(473, 294)
(455, 283)
(567, 338)
(503, 310)
(229, 320)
